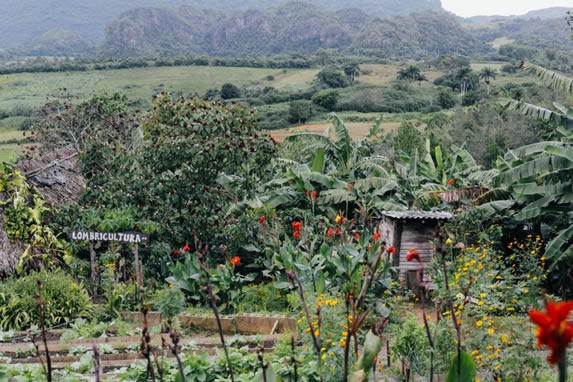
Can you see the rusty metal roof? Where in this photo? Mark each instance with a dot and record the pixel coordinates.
(418, 215)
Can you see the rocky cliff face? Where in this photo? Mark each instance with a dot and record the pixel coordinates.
(296, 27)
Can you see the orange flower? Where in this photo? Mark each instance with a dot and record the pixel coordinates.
(314, 194)
(339, 219)
(297, 226)
(450, 182)
(413, 254)
(236, 260)
(391, 250)
(376, 236)
(357, 236)
(186, 248)
(554, 331)
(262, 219)
(307, 192)
(329, 232)
(296, 234)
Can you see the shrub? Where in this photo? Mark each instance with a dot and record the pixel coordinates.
(333, 78)
(446, 99)
(65, 299)
(300, 111)
(326, 99)
(229, 91)
(168, 301)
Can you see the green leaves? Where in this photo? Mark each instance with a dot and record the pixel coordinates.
(372, 346)
(467, 372)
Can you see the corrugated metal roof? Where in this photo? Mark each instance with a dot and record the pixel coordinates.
(420, 215)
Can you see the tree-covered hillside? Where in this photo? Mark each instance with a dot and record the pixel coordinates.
(25, 21)
(292, 28)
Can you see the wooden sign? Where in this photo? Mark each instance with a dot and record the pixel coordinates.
(123, 237)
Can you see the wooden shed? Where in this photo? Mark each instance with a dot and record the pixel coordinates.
(410, 229)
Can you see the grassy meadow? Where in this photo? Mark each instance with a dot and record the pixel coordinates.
(27, 91)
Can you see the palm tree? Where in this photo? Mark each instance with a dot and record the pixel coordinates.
(411, 73)
(352, 71)
(487, 74)
(466, 78)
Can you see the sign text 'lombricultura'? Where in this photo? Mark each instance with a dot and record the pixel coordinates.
(124, 237)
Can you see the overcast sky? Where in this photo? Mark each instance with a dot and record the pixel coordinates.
(466, 8)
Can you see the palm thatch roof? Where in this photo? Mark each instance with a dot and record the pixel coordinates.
(56, 175)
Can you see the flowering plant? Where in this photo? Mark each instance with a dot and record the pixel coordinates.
(189, 276)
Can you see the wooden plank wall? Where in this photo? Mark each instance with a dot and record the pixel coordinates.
(419, 235)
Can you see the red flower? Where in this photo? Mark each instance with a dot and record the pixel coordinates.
(450, 182)
(297, 226)
(413, 254)
(186, 248)
(314, 194)
(262, 219)
(307, 192)
(296, 234)
(357, 236)
(329, 232)
(339, 219)
(554, 330)
(176, 252)
(391, 251)
(376, 236)
(236, 260)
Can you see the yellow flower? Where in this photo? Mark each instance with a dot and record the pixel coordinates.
(449, 241)
(491, 331)
(479, 323)
(504, 338)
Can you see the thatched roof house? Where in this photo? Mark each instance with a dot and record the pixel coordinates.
(56, 175)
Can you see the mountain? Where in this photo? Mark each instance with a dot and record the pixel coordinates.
(380, 8)
(296, 27)
(26, 20)
(545, 13)
(535, 32)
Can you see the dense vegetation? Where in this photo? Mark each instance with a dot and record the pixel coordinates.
(238, 222)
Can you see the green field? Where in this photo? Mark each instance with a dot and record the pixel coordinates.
(31, 89)
(20, 93)
(27, 91)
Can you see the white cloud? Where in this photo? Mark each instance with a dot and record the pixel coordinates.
(468, 8)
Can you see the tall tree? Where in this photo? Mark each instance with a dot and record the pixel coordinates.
(352, 71)
(487, 74)
(411, 73)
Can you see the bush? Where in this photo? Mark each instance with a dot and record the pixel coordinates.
(447, 99)
(168, 301)
(326, 99)
(229, 91)
(300, 111)
(333, 78)
(65, 299)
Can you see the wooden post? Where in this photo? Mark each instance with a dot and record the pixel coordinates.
(94, 268)
(137, 266)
